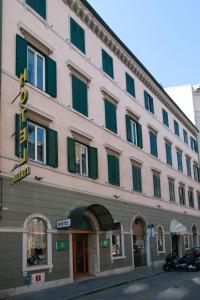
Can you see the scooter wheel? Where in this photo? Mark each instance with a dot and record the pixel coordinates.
(166, 268)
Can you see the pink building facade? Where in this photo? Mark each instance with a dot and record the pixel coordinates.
(113, 160)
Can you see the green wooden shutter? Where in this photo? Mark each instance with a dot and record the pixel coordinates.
(77, 35)
(107, 63)
(93, 162)
(146, 100)
(168, 153)
(128, 128)
(71, 155)
(151, 106)
(137, 184)
(110, 116)
(39, 6)
(130, 85)
(52, 147)
(21, 54)
(17, 128)
(51, 77)
(165, 118)
(156, 182)
(113, 170)
(79, 95)
(153, 143)
(139, 135)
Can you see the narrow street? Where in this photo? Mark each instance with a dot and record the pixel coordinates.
(167, 286)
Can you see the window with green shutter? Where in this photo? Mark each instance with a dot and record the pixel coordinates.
(148, 102)
(79, 95)
(198, 200)
(134, 132)
(196, 172)
(194, 145)
(156, 184)
(113, 170)
(41, 69)
(107, 64)
(168, 149)
(77, 35)
(191, 197)
(39, 6)
(153, 143)
(171, 190)
(165, 117)
(188, 165)
(176, 127)
(130, 85)
(185, 136)
(110, 115)
(179, 161)
(181, 190)
(82, 159)
(137, 180)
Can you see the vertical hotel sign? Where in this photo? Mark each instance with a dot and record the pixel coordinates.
(23, 132)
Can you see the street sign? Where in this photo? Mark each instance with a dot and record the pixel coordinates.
(63, 223)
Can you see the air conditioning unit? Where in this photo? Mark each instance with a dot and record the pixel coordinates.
(38, 278)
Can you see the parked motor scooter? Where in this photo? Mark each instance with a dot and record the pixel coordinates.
(189, 262)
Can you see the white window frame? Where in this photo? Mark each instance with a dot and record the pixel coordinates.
(87, 162)
(36, 127)
(133, 132)
(49, 264)
(121, 233)
(163, 235)
(36, 53)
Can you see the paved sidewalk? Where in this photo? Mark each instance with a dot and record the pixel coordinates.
(89, 286)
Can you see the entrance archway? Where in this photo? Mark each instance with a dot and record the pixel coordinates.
(139, 229)
(194, 236)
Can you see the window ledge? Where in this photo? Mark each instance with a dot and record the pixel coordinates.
(29, 8)
(36, 268)
(112, 148)
(118, 257)
(108, 130)
(76, 49)
(73, 67)
(131, 96)
(109, 95)
(39, 112)
(38, 90)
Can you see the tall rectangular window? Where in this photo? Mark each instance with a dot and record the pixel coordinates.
(36, 68)
(156, 184)
(188, 164)
(198, 200)
(181, 190)
(176, 127)
(148, 102)
(179, 160)
(39, 6)
(168, 149)
(113, 169)
(107, 64)
(185, 136)
(81, 157)
(191, 197)
(130, 85)
(110, 115)
(79, 95)
(153, 143)
(134, 131)
(165, 117)
(36, 143)
(171, 190)
(196, 172)
(77, 35)
(194, 145)
(137, 178)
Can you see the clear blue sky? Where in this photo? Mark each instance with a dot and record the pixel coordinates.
(163, 34)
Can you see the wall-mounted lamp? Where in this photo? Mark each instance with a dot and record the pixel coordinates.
(38, 178)
(116, 196)
(159, 206)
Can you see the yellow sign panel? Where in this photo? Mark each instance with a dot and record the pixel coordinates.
(22, 174)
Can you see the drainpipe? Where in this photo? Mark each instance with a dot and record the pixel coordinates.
(1, 195)
(1, 24)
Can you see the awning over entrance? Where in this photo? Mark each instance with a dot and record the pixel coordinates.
(103, 216)
(177, 227)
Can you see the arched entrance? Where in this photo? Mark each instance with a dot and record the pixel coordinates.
(194, 236)
(86, 222)
(139, 228)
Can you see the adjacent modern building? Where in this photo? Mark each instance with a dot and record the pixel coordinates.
(112, 178)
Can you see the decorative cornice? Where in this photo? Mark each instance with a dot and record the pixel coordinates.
(99, 29)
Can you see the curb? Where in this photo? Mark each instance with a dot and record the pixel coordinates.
(109, 286)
